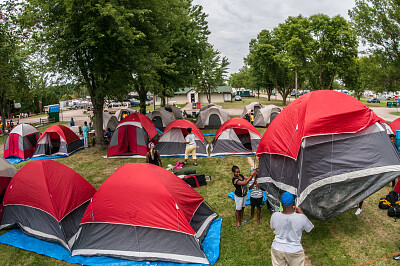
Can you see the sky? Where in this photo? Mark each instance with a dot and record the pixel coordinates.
(233, 23)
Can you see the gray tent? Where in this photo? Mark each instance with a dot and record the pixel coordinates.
(212, 117)
(109, 121)
(209, 105)
(125, 111)
(264, 116)
(165, 115)
(253, 107)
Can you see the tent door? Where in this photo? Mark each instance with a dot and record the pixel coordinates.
(13, 138)
(158, 122)
(214, 121)
(245, 140)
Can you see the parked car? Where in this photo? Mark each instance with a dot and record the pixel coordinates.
(373, 100)
(238, 98)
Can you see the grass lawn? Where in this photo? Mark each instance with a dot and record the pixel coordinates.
(395, 113)
(247, 100)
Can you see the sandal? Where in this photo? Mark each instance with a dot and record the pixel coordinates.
(238, 226)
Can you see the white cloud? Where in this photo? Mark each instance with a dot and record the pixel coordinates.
(234, 23)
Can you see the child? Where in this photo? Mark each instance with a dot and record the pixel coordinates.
(256, 196)
(240, 182)
(85, 131)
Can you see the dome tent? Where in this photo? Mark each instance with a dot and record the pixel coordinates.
(109, 122)
(212, 117)
(124, 111)
(319, 148)
(144, 212)
(132, 135)
(252, 107)
(165, 115)
(7, 171)
(265, 115)
(46, 199)
(172, 140)
(235, 137)
(21, 141)
(57, 140)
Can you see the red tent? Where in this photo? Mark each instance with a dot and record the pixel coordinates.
(57, 140)
(235, 137)
(144, 212)
(329, 150)
(47, 200)
(395, 125)
(172, 140)
(132, 135)
(7, 171)
(321, 112)
(21, 141)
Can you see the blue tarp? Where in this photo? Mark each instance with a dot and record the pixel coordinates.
(232, 196)
(211, 134)
(18, 160)
(16, 238)
(159, 131)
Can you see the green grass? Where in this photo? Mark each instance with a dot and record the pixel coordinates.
(247, 100)
(395, 113)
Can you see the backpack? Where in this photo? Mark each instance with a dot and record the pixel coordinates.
(390, 200)
(394, 211)
(195, 180)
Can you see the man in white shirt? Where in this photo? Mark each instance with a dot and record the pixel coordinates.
(190, 146)
(288, 227)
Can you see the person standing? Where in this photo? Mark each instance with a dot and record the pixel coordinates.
(252, 118)
(153, 155)
(85, 133)
(71, 122)
(240, 182)
(288, 227)
(256, 197)
(190, 146)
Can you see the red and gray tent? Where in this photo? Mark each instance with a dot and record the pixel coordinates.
(329, 150)
(144, 212)
(165, 115)
(395, 125)
(132, 135)
(47, 199)
(235, 137)
(172, 140)
(7, 171)
(21, 141)
(57, 140)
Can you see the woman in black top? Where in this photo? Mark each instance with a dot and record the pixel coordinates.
(153, 156)
(240, 182)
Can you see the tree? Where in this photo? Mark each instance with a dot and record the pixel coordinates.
(378, 24)
(12, 70)
(243, 79)
(214, 68)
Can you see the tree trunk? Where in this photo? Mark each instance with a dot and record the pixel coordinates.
(142, 98)
(162, 99)
(2, 112)
(97, 103)
(258, 92)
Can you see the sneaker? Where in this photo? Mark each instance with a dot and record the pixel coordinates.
(358, 212)
(184, 163)
(195, 164)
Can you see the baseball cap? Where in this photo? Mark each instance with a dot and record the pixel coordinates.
(287, 199)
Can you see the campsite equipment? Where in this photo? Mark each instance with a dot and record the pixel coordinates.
(195, 180)
(394, 211)
(21, 141)
(329, 150)
(57, 140)
(144, 212)
(46, 199)
(212, 117)
(165, 115)
(172, 140)
(188, 170)
(389, 200)
(265, 115)
(132, 135)
(235, 137)
(7, 171)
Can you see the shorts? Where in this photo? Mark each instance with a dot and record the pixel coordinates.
(240, 202)
(256, 202)
(284, 258)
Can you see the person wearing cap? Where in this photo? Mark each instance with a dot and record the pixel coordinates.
(288, 227)
(153, 155)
